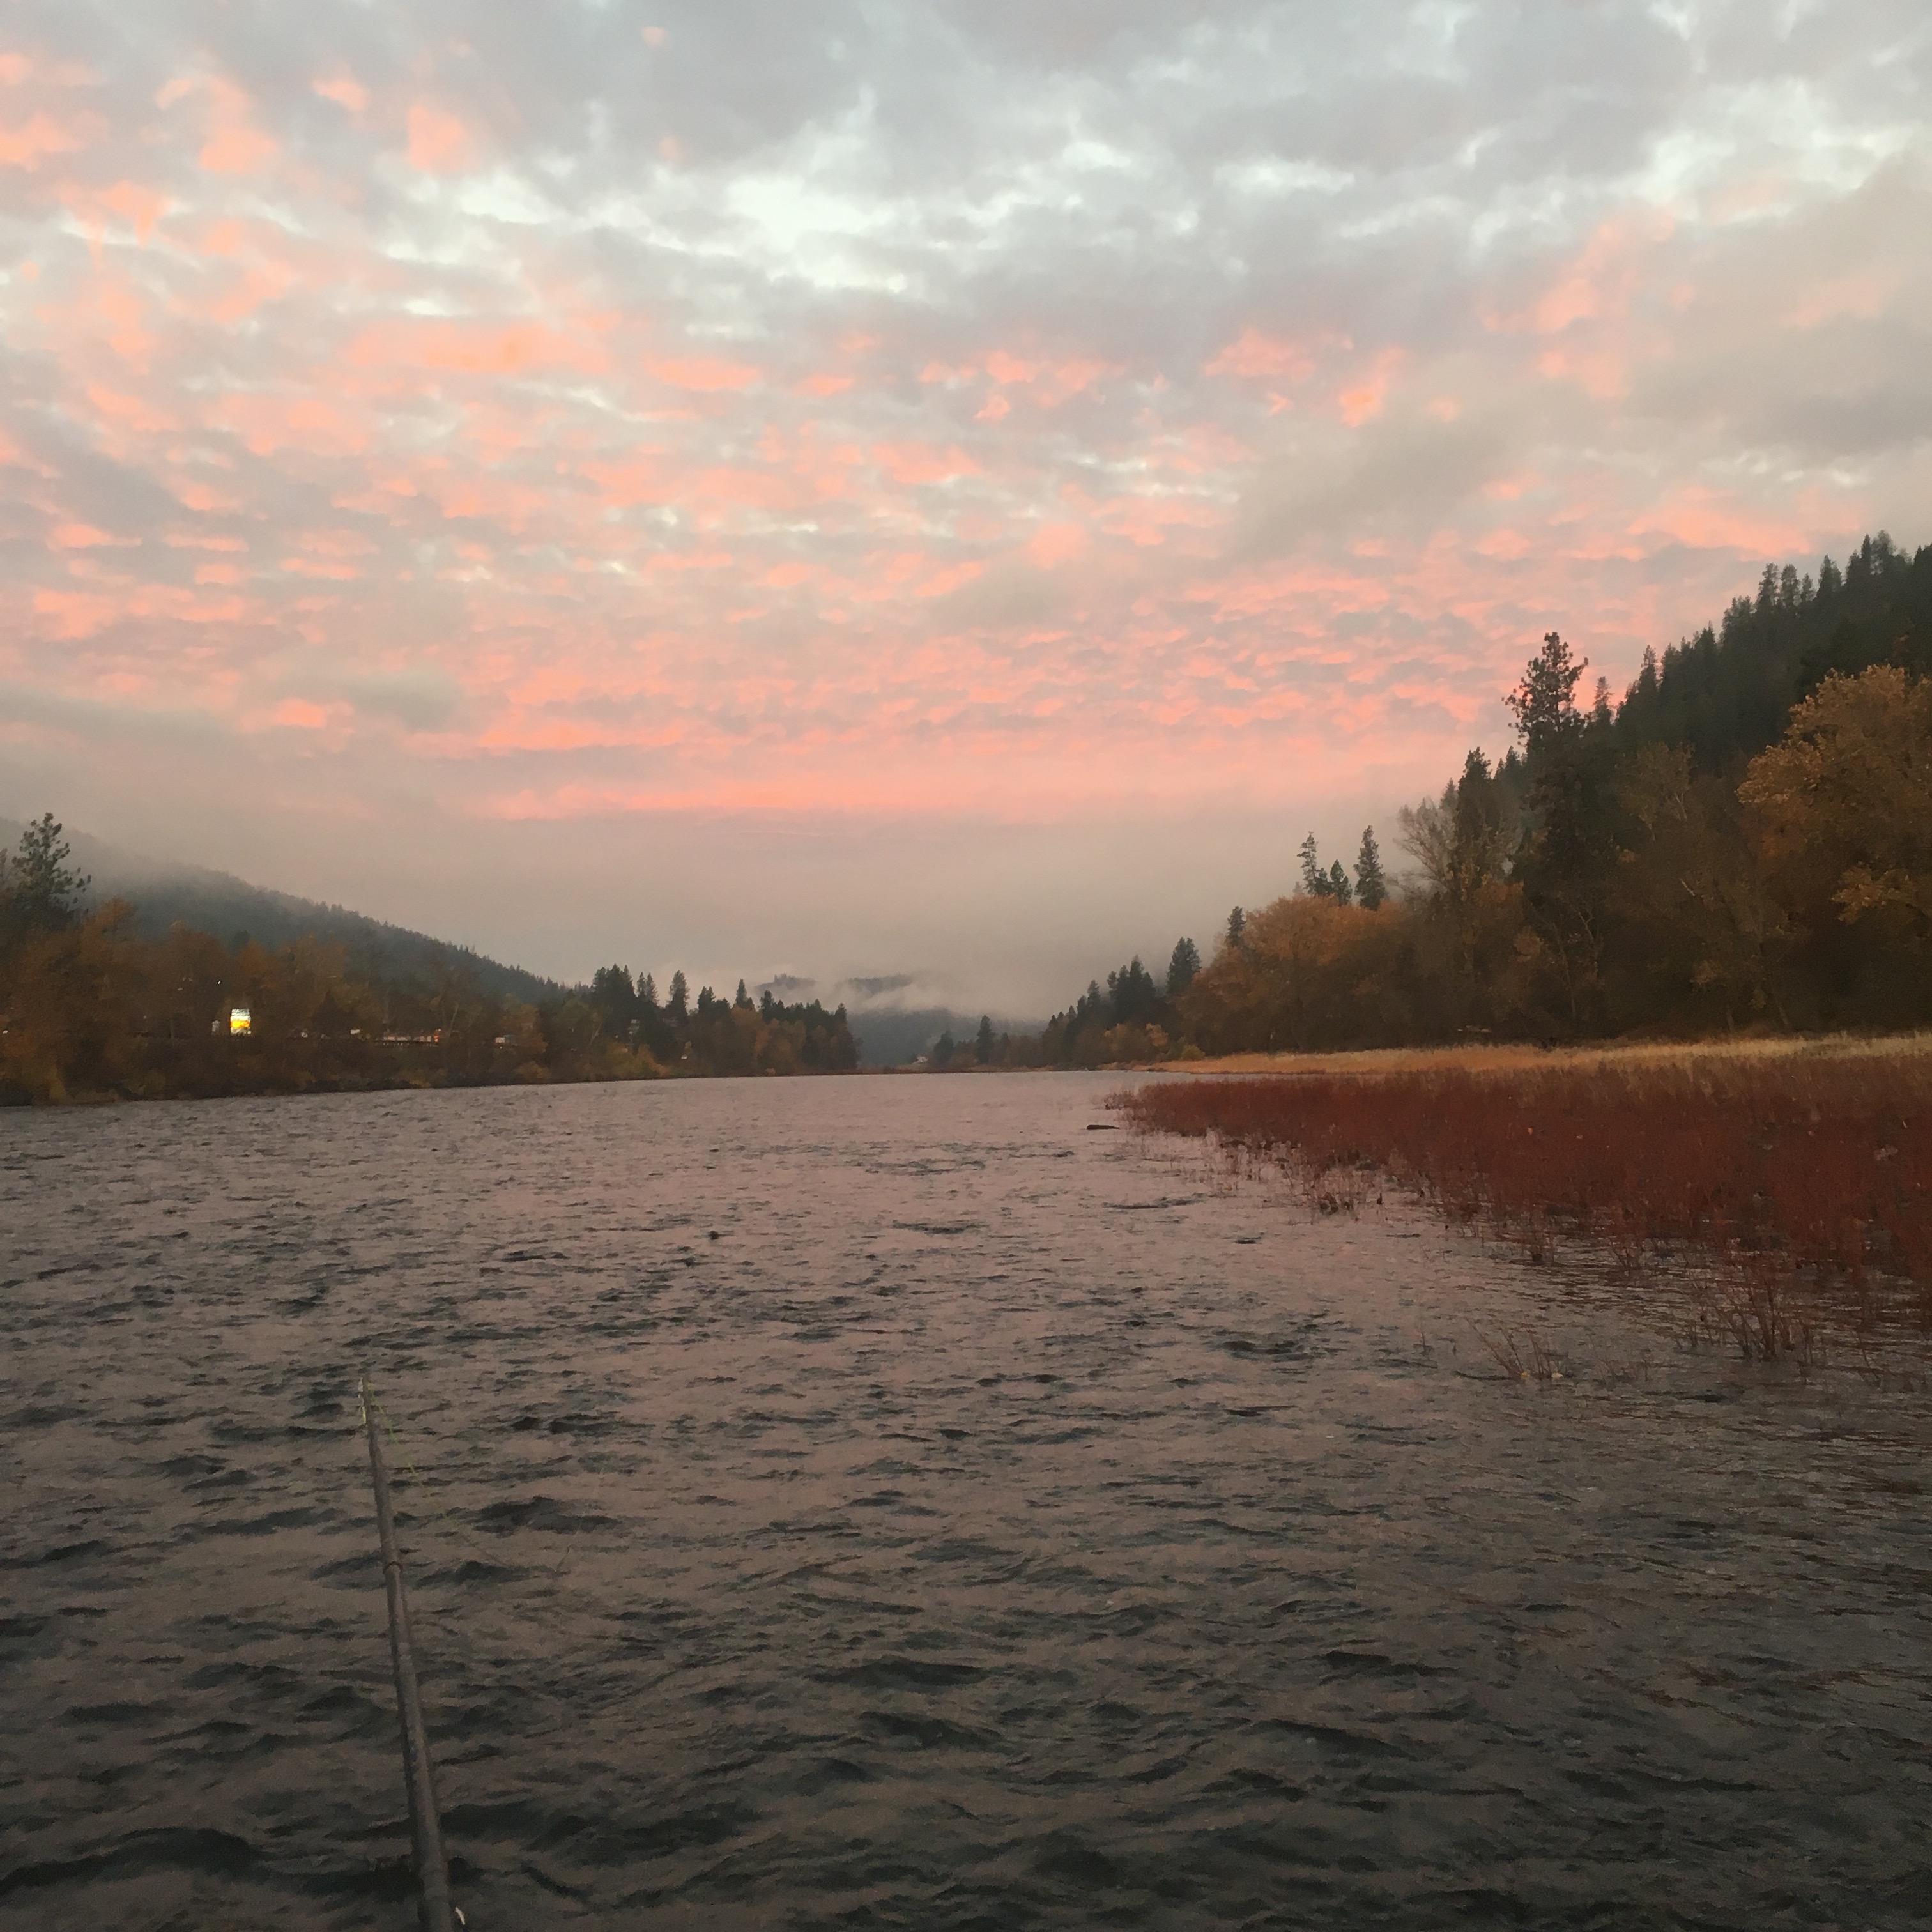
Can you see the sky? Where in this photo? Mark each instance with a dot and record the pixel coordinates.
(955, 490)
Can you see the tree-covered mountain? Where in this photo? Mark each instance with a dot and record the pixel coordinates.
(100, 998)
(1744, 840)
(164, 894)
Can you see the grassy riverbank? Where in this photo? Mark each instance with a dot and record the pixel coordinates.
(1803, 1167)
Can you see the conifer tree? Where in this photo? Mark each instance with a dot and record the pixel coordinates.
(1314, 881)
(1371, 887)
(39, 891)
(1545, 703)
(1336, 884)
(1182, 967)
(983, 1044)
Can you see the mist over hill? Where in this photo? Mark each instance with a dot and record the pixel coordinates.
(165, 892)
(897, 1017)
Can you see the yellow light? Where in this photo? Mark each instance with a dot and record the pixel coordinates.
(240, 1020)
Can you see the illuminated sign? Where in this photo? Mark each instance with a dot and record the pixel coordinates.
(240, 1020)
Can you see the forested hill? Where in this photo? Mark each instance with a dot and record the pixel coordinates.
(164, 895)
(1725, 694)
(1745, 840)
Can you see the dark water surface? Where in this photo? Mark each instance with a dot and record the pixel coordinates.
(997, 1525)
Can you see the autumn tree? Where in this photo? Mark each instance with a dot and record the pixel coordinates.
(1843, 806)
(1692, 921)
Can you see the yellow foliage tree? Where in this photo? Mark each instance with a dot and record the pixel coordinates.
(1844, 802)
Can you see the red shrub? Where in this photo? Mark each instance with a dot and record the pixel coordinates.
(1827, 1157)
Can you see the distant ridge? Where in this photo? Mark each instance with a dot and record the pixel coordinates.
(164, 893)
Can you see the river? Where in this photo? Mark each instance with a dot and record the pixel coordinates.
(886, 1502)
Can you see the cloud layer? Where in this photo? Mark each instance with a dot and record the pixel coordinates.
(600, 418)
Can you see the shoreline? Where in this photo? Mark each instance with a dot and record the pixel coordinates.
(1523, 1058)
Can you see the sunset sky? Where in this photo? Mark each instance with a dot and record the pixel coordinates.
(957, 489)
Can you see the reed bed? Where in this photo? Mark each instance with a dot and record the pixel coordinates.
(1800, 1171)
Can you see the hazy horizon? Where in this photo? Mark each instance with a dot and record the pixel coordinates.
(957, 492)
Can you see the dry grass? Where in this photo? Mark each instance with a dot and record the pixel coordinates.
(1797, 1167)
(1517, 1056)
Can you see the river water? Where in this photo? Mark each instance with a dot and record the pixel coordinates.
(887, 1503)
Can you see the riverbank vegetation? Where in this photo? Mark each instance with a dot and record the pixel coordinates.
(1800, 1169)
(89, 1008)
(1742, 844)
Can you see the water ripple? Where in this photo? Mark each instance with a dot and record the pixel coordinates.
(885, 1503)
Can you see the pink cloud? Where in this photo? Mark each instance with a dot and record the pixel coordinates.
(704, 373)
(270, 423)
(77, 613)
(346, 91)
(1363, 401)
(917, 464)
(1252, 355)
(737, 529)
(235, 146)
(1706, 520)
(440, 143)
(39, 138)
(477, 348)
(85, 536)
(1057, 543)
(133, 412)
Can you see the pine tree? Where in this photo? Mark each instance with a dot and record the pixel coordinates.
(1315, 882)
(1182, 967)
(1371, 887)
(1545, 703)
(1336, 885)
(39, 891)
(983, 1044)
(1237, 926)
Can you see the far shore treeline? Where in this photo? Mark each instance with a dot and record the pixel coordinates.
(90, 1008)
(1744, 842)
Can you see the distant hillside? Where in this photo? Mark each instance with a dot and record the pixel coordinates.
(891, 1031)
(164, 893)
